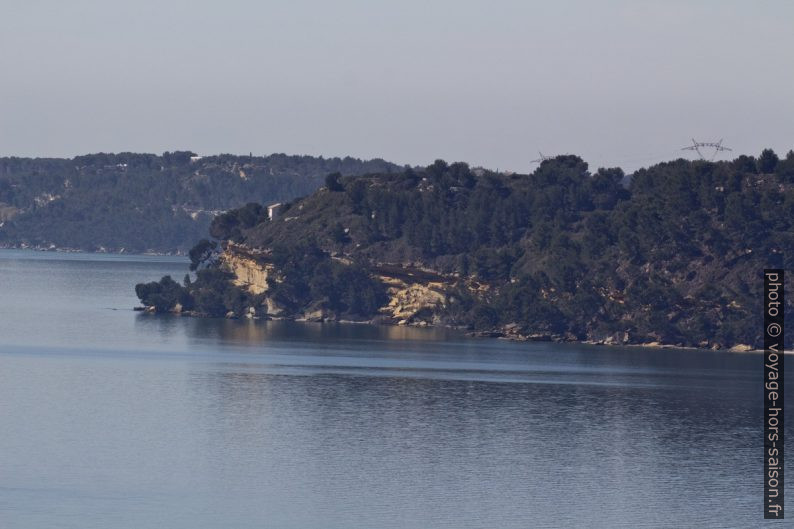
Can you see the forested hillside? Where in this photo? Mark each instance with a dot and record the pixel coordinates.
(146, 202)
(676, 257)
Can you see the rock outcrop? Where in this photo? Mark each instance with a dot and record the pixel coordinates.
(414, 296)
(250, 272)
(409, 300)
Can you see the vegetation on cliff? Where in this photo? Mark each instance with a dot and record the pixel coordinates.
(308, 280)
(676, 256)
(145, 202)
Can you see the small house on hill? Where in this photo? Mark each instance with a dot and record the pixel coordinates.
(274, 210)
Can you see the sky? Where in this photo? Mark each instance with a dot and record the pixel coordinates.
(492, 83)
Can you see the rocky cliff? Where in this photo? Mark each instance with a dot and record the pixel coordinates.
(250, 269)
(414, 297)
(674, 258)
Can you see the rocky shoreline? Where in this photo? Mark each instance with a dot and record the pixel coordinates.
(416, 297)
(507, 332)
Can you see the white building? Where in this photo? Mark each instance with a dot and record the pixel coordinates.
(274, 210)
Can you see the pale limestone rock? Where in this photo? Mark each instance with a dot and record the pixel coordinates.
(405, 300)
(272, 308)
(248, 273)
(315, 315)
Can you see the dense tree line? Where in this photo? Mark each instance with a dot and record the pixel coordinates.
(675, 256)
(142, 202)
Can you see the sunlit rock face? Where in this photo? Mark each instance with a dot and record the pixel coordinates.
(249, 273)
(407, 300)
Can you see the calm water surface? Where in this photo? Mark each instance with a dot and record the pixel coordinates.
(115, 419)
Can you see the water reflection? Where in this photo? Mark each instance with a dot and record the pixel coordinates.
(118, 419)
(258, 332)
(427, 453)
(286, 347)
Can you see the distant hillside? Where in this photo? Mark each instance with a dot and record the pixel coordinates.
(145, 202)
(561, 254)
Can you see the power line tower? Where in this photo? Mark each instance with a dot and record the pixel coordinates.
(696, 145)
(542, 158)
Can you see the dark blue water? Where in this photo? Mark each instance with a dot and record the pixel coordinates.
(115, 419)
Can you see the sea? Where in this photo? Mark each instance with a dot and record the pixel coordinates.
(112, 418)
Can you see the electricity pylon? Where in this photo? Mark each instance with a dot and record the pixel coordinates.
(696, 145)
(542, 158)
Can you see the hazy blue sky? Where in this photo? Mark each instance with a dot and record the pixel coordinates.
(489, 82)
